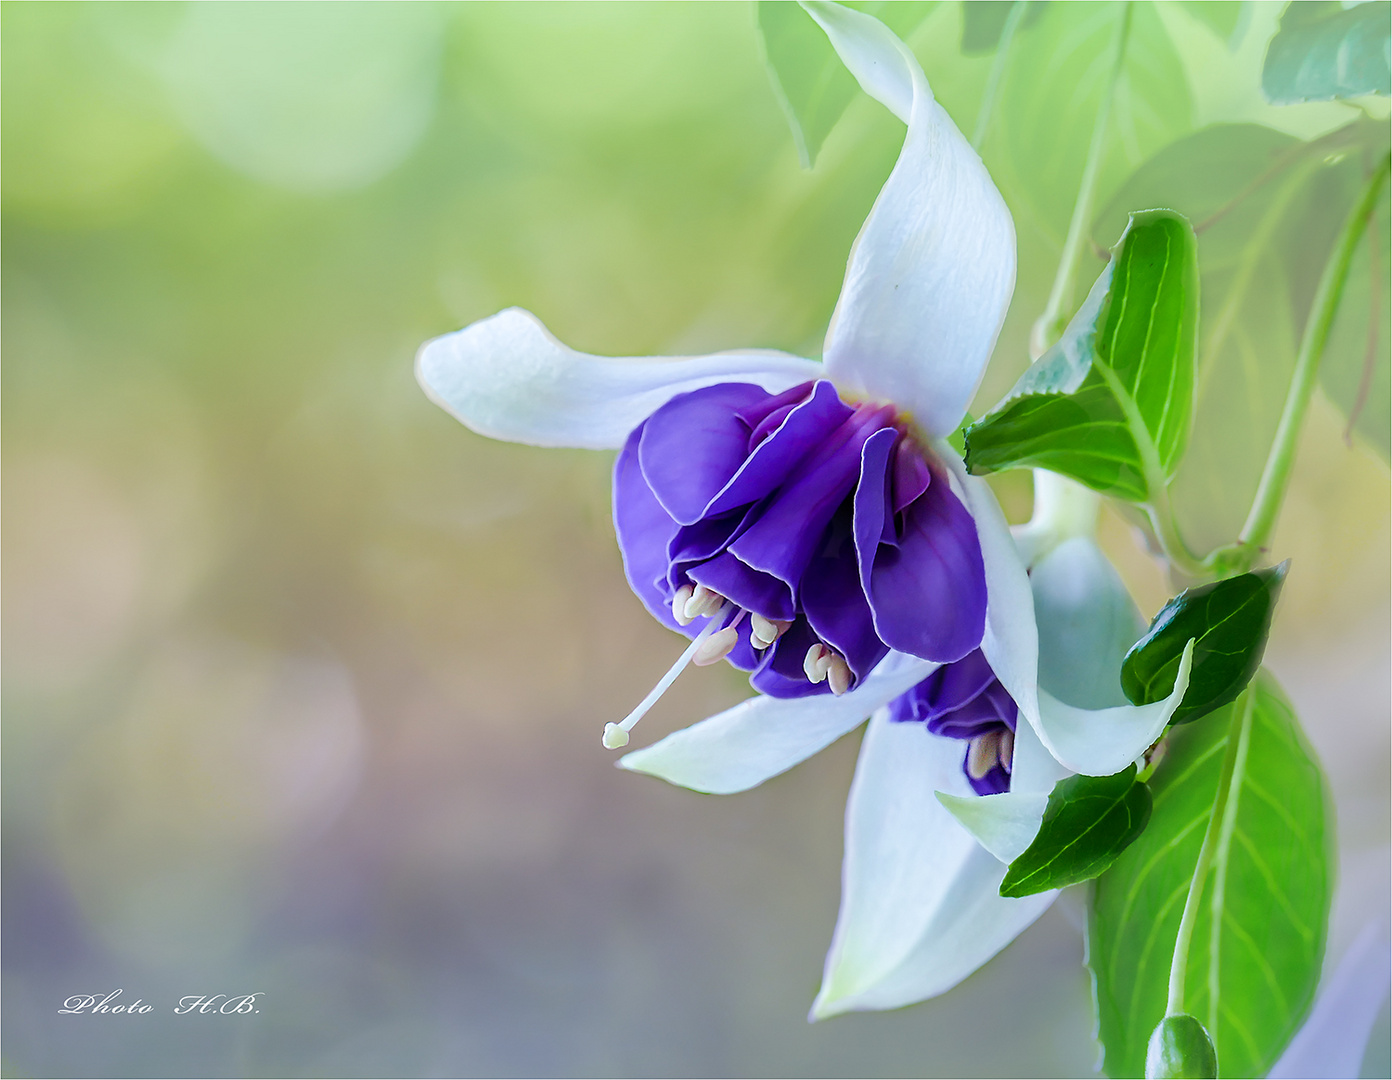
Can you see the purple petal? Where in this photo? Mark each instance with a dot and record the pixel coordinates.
(976, 717)
(993, 783)
(838, 612)
(770, 596)
(872, 520)
(782, 675)
(694, 444)
(765, 416)
(806, 427)
(788, 533)
(692, 544)
(644, 530)
(929, 593)
(911, 474)
(953, 686)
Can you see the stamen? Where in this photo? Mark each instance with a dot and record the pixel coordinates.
(703, 601)
(679, 603)
(838, 675)
(1007, 749)
(764, 632)
(984, 754)
(816, 662)
(616, 735)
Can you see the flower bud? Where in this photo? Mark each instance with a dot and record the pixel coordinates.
(1180, 1047)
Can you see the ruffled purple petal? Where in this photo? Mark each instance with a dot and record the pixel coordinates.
(929, 593)
(644, 530)
(789, 531)
(781, 674)
(752, 589)
(806, 427)
(694, 444)
(836, 606)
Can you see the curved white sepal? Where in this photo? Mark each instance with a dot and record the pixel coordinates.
(508, 378)
(930, 276)
(1089, 623)
(743, 746)
(1097, 742)
(1100, 742)
(920, 907)
(1033, 770)
(1004, 824)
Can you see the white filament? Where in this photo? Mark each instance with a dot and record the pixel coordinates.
(616, 735)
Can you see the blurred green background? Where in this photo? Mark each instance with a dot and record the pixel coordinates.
(304, 682)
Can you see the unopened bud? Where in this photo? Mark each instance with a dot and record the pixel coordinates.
(1180, 1047)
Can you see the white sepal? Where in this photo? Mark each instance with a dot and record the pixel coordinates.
(764, 736)
(930, 276)
(508, 378)
(920, 907)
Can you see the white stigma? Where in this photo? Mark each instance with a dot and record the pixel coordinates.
(703, 601)
(679, 603)
(616, 735)
(764, 632)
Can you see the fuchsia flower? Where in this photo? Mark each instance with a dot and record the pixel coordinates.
(806, 521)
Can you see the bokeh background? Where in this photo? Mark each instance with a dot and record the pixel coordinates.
(304, 682)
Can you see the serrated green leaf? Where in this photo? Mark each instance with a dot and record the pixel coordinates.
(1324, 51)
(1266, 208)
(1089, 821)
(1109, 405)
(1229, 622)
(1259, 939)
(812, 84)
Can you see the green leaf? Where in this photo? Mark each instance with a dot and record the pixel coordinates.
(1109, 405)
(1266, 208)
(1229, 622)
(983, 22)
(1041, 125)
(1325, 51)
(1220, 16)
(1259, 939)
(1089, 821)
(812, 84)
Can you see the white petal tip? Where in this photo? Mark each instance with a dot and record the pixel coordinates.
(614, 737)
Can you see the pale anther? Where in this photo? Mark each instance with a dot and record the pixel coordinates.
(1007, 749)
(703, 601)
(764, 632)
(983, 755)
(716, 647)
(838, 675)
(679, 603)
(815, 663)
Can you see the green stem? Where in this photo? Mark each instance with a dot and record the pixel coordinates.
(988, 98)
(1272, 488)
(1050, 325)
(1237, 741)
